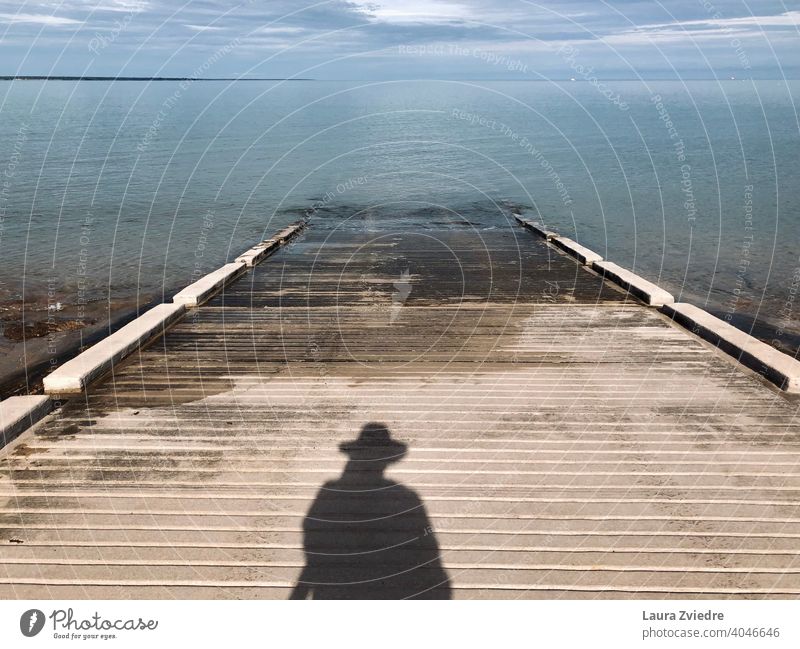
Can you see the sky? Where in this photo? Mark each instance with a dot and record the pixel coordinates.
(403, 39)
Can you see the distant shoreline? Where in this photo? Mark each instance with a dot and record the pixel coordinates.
(27, 77)
(34, 77)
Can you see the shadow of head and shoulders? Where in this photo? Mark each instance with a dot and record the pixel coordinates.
(367, 536)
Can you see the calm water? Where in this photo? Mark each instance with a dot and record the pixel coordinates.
(116, 193)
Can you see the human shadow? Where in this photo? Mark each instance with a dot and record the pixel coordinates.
(368, 537)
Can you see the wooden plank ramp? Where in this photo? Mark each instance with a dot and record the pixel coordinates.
(411, 410)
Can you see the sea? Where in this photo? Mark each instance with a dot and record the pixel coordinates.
(114, 194)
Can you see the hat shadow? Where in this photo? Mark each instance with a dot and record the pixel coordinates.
(368, 537)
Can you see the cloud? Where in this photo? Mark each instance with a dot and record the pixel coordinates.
(416, 11)
(120, 6)
(644, 37)
(712, 28)
(39, 19)
(204, 28)
(786, 19)
(348, 38)
(278, 30)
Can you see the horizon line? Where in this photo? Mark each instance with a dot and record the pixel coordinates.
(66, 77)
(44, 77)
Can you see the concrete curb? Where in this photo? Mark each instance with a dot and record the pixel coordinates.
(20, 413)
(582, 254)
(260, 251)
(537, 227)
(205, 287)
(289, 231)
(777, 367)
(646, 291)
(257, 253)
(781, 369)
(75, 375)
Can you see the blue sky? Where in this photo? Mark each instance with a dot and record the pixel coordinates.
(391, 39)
